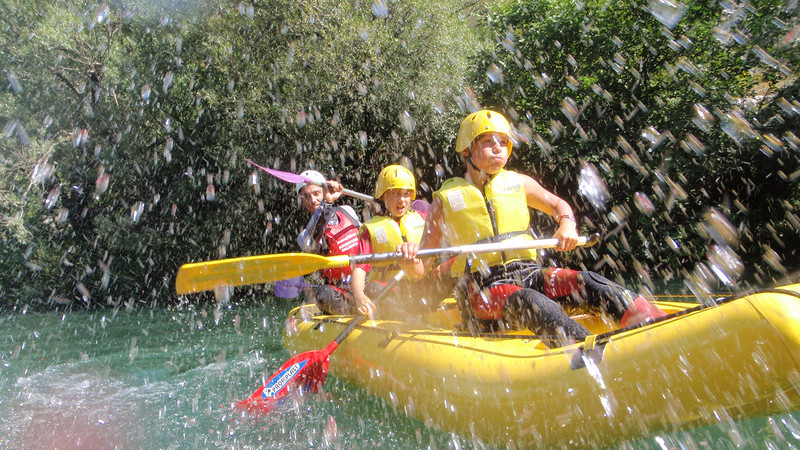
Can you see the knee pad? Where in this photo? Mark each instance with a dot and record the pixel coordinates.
(602, 292)
(488, 304)
(595, 281)
(560, 282)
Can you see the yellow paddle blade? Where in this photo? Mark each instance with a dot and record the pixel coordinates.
(205, 276)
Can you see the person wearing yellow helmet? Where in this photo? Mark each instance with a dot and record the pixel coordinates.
(332, 230)
(396, 190)
(510, 289)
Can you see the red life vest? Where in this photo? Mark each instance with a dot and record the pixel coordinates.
(342, 240)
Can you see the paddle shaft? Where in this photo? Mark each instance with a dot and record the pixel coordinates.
(208, 275)
(449, 252)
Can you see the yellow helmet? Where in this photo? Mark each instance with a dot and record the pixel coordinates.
(478, 123)
(395, 177)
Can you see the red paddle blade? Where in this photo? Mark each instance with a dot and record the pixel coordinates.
(302, 374)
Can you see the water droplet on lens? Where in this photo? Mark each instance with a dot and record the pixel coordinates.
(210, 193)
(101, 14)
(439, 171)
(362, 137)
(41, 173)
(691, 143)
(79, 136)
(222, 294)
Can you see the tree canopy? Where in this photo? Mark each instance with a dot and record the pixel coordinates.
(126, 127)
(686, 111)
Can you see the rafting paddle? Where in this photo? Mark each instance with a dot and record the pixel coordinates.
(208, 275)
(306, 372)
(294, 178)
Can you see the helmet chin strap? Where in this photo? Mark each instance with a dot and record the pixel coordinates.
(469, 161)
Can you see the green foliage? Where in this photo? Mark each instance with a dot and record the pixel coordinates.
(688, 116)
(140, 116)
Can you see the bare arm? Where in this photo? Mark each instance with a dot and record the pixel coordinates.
(549, 203)
(358, 283)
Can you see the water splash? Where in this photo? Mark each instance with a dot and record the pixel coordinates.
(52, 198)
(643, 203)
(703, 119)
(136, 211)
(591, 186)
(379, 9)
(570, 109)
(407, 122)
(145, 93)
(79, 136)
(725, 264)
(494, 73)
(668, 12)
(167, 81)
(41, 172)
(13, 82)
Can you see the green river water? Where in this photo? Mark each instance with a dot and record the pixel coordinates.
(167, 378)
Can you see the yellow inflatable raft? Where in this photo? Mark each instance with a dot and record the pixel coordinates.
(738, 358)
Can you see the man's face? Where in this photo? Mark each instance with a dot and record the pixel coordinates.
(311, 196)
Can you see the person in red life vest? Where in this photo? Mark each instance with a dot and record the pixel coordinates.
(332, 230)
(510, 289)
(396, 191)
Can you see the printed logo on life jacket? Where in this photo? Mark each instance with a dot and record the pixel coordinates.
(349, 242)
(456, 200)
(507, 188)
(281, 379)
(380, 235)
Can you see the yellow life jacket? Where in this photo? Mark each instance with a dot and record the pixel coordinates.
(386, 234)
(468, 221)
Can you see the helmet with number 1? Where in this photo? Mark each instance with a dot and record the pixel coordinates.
(316, 178)
(395, 177)
(480, 122)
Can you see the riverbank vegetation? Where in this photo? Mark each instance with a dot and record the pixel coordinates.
(672, 127)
